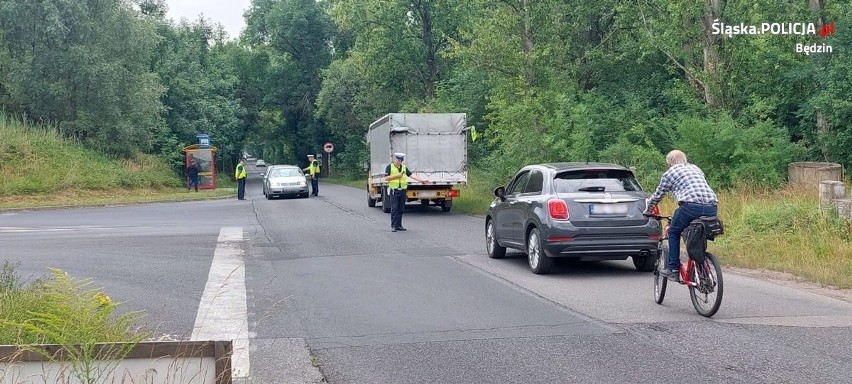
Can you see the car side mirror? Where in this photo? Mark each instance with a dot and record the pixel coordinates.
(500, 193)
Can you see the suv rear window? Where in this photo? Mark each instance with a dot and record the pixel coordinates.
(596, 180)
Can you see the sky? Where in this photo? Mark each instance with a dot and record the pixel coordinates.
(226, 12)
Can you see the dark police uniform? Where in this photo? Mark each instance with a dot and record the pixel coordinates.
(396, 191)
(240, 175)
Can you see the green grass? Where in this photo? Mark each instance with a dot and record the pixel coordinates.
(784, 230)
(86, 198)
(38, 160)
(58, 309)
(475, 197)
(40, 168)
(349, 181)
(61, 310)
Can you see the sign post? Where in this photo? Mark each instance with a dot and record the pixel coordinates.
(327, 149)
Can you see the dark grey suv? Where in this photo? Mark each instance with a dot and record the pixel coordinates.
(585, 211)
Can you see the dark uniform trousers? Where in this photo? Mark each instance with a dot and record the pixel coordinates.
(241, 188)
(315, 185)
(397, 200)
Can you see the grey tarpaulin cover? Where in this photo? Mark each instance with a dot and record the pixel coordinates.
(433, 143)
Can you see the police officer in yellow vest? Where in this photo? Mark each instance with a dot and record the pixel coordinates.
(397, 178)
(313, 170)
(240, 175)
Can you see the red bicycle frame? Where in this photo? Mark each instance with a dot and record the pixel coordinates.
(684, 269)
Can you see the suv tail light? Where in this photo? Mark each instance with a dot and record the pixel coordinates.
(656, 210)
(558, 209)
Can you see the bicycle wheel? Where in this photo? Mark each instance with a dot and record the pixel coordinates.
(707, 295)
(660, 281)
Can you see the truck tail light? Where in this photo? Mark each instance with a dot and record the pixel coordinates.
(558, 209)
(453, 193)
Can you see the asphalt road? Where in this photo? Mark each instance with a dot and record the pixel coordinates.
(325, 276)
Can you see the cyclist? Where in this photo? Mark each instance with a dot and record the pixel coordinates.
(694, 197)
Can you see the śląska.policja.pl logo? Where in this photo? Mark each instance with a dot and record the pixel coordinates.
(801, 29)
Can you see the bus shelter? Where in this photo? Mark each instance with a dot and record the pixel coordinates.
(204, 156)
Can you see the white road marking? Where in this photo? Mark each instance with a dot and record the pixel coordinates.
(222, 313)
(61, 229)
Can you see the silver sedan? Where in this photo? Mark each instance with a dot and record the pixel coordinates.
(284, 180)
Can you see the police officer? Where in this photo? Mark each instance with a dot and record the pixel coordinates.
(240, 175)
(397, 178)
(313, 170)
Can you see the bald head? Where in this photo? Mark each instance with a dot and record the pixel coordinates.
(676, 157)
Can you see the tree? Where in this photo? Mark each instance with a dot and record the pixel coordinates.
(82, 64)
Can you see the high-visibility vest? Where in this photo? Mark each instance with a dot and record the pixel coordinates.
(240, 173)
(402, 182)
(314, 168)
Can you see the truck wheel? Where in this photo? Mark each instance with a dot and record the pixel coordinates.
(385, 201)
(371, 202)
(446, 205)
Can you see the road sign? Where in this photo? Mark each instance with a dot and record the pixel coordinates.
(203, 140)
(328, 147)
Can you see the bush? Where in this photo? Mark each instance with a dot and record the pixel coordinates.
(734, 155)
(648, 163)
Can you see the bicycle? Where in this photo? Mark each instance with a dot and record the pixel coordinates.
(704, 278)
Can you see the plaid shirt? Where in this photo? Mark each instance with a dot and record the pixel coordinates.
(688, 185)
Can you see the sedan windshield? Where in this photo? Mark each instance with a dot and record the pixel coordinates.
(284, 172)
(596, 180)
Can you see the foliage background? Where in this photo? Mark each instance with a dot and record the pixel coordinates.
(610, 80)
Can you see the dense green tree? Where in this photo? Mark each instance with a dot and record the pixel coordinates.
(82, 64)
(195, 65)
(293, 38)
(611, 80)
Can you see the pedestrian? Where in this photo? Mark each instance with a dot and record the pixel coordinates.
(192, 175)
(313, 170)
(397, 178)
(240, 175)
(695, 198)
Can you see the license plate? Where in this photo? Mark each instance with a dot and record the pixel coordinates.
(608, 209)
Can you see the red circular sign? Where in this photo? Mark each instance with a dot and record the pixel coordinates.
(328, 147)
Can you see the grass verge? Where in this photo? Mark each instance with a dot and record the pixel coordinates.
(785, 230)
(81, 197)
(40, 168)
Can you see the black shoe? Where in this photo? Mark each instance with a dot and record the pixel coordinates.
(671, 274)
(393, 230)
(401, 229)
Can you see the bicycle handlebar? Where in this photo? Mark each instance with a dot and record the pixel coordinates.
(657, 217)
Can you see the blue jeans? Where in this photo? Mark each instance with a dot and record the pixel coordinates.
(193, 182)
(680, 220)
